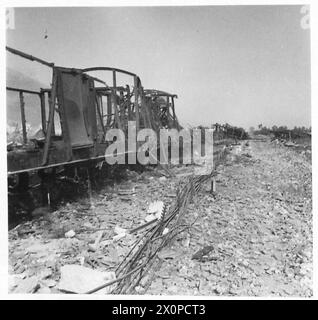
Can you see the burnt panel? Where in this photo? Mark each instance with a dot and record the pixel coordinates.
(75, 96)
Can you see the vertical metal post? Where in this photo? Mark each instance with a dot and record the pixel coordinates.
(145, 109)
(51, 120)
(114, 98)
(213, 185)
(168, 111)
(121, 107)
(129, 106)
(136, 103)
(174, 113)
(43, 112)
(49, 94)
(100, 115)
(61, 110)
(99, 100)
(25, 140)
(109, 110)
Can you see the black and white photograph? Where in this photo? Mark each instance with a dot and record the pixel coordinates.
(158, 151)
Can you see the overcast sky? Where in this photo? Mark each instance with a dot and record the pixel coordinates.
(237, 64)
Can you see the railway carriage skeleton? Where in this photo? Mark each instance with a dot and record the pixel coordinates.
(86, 112)
(87, 108)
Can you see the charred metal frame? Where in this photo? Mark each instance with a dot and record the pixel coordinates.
(167, 112)
(123, 104)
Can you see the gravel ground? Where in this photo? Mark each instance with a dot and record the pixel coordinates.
(256, 230)
(259, 227)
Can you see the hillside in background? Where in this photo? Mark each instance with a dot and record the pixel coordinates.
(17, 79)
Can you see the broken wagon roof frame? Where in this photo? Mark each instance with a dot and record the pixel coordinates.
(109, 69)
(159, 93)
(52, 65)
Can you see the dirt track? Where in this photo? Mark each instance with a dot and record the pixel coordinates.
(259, 225)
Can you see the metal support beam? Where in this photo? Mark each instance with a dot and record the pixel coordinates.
(29, 57)
(175, 122)
(136, 103)
(114, 100)
(51, 120)
(22, 104)
(23, 90)
(43, 111)
(100, 115)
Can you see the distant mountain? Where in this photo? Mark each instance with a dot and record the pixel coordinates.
(17, 79)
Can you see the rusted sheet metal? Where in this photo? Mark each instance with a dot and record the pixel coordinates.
(73, 92)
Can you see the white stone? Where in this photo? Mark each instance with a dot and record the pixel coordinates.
(79, 279)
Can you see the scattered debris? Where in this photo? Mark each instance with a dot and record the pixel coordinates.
(70, 234)
(289, 144)
(257, 230)
(93, 247)
(79, 279)
(155, 211)
(156, 208)
(202, 254)
(119, 230)
(126, 190)
(40, 212)
(165, 231)
(258, 223)
(28, 285)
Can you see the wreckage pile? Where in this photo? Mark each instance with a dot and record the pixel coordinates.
(105, 244)
(143, 254)
(146, 241)
(252, 237)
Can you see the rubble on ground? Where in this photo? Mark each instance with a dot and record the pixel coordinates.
(252, 237)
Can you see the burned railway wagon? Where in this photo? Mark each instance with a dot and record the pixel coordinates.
(86, 108)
